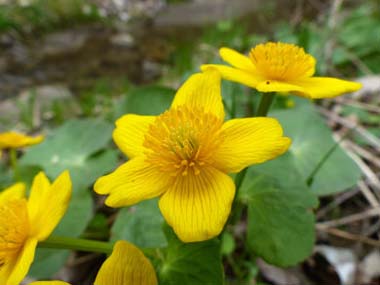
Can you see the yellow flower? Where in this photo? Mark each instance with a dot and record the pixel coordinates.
(25, 222)
(49, 283)
(280, 67)
(126, 265)
(17, 140)
(184, 156)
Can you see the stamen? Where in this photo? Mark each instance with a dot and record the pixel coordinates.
(282, 61)
(181, 139)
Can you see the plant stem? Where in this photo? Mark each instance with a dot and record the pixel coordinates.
(77, 244)
(240, 178)
(310, 179)
(233, 106)
(13, 161)
(262, 111)
(265, 103)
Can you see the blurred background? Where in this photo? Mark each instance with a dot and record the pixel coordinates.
(91, 52)
(66, 59)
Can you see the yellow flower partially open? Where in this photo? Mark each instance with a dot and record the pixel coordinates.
(24, 222)
(184, 156)
(17, 140)
(126, 265)
(280, 67)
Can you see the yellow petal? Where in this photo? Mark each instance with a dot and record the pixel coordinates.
(202, 90)
(23, 262)
(279, 86)
(236, 59)
(132, 182)
(49, 283)
(249, 141)
(127, 265)
(16, 191)
(197, 206)
(233, 74)
(129, 133)
(48, 203)
(7, 268)
(325, 87)
(16, 140)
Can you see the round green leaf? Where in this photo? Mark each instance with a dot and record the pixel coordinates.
(191, 263)
(280, 223)
(311, 140)
(140, 224)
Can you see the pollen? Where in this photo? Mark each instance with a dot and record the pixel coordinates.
(282, 61)
(14, 228)
(182, 140)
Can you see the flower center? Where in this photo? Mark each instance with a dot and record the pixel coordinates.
(182, 140)
(14, 228)
(281, 61)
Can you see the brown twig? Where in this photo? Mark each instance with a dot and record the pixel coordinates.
(351, 218)
(366, 170)
(363, 153)
(339, 199)
(361, 105)
(350, 236)
(367, 193)
(374, 141)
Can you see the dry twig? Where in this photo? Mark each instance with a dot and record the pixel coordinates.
(361, 105)
(339, 199)
(363, 153)
(350, 219)
(367, 193)
(374, 141)
(350, 236)
(366, 170)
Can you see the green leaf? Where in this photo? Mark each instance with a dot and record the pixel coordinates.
(311, 140)
(361, 30)
(280, 223)
(47, 261)
(191, 263)
(140, 224)
(228, 243)
(149, 100)
(26, 173)
(77, 146)
(5, 176)
(73, 147)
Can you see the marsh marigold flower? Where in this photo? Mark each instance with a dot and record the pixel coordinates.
(23, 223)
(280, 67)
(17, 140)
(184, 155)
(126, 265)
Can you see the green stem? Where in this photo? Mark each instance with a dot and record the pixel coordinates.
(14, 164)
(265, 103)
(233, 106)
(77, 244)
(240, 178)
(262, 111)
(310, 179)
